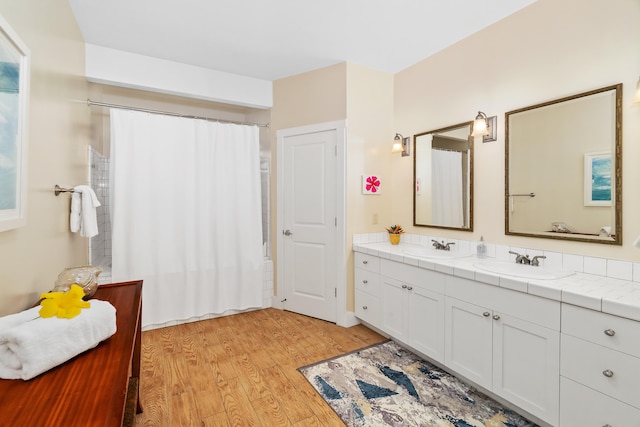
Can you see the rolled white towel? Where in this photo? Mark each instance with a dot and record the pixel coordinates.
(31, 345)
(605, 231)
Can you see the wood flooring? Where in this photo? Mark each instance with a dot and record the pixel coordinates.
(240, 370)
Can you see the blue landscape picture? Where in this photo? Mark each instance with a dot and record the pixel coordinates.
(601, 179)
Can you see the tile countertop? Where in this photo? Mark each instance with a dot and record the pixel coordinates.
(605, 294)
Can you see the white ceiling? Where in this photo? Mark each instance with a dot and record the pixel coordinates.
(272, 39)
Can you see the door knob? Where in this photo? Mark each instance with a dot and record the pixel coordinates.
(607, 373)
(496, 317)
(287, 232)
(486, 314)
(609, 332)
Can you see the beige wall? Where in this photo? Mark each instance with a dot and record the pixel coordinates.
(551, 49)
(369, 138)
(100, 135)
(58, 121)
(363, 97)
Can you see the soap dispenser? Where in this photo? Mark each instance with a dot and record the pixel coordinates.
(481, 249)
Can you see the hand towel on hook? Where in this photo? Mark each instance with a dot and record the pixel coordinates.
(83, 216)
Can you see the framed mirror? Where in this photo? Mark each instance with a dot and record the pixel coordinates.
(563, 168)
(443, 178)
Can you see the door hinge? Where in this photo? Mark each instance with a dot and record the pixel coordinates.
(335, 292)
(335, 221)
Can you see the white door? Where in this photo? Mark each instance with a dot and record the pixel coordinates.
(307, 240)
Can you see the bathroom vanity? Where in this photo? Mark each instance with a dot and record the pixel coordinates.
(541, 345)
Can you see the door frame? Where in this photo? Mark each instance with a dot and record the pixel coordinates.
(343, 317)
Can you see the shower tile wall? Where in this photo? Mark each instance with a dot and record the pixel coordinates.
(100, 247)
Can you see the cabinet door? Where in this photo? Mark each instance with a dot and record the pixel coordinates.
(393, 307)
(526, 365)
(426, 322)
(468, 336)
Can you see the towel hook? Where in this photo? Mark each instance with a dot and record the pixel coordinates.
(57, 190)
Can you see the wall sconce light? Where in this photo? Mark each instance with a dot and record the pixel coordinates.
(485, 126)
(636, 97)
(401, 145)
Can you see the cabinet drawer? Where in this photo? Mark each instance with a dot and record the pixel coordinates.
(426, 279)
(367, 262)
(367, 281)
(605, 329)
(610, 372)
(368, 308)
(534, 309)
(581, 406)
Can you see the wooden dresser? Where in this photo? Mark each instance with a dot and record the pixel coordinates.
(91, 389)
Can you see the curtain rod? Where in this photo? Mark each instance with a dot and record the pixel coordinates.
(166, 113)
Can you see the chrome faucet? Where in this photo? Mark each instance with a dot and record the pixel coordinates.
(442, 246)
(535, 259)
(522, 259)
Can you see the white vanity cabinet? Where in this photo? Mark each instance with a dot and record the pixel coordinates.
(600, 369)
(367, 288)
(505, 341)
(412, 307)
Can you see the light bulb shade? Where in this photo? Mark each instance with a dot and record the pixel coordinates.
(397, 144)
(480, 127)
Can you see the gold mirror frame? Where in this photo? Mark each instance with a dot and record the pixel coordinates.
(556, 230)
(469, 176)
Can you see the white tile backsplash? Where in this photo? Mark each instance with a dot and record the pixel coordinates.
(615, 269)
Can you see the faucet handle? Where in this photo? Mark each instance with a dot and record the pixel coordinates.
(535, 261)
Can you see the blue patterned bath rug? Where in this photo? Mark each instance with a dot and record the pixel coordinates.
(386, 385)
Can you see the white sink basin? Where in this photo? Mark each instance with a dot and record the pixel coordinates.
(522, 270)
(434, 254)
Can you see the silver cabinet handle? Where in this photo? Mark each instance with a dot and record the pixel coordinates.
(486, 314)
(410, 288)
(364, 307)
(609, 332)
(365, 262)
(496, 317)
(404, 286)
(287, 232)
(365, 281)
(607, 373)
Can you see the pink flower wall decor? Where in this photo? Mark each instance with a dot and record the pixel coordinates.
(371, 184)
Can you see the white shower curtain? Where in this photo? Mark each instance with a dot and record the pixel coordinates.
(447, 206)
(186, 214)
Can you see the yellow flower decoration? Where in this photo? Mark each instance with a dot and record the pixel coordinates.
(64, 305)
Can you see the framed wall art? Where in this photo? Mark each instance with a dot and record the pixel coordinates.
(597, 179)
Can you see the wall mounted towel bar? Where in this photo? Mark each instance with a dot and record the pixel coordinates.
(57, 190)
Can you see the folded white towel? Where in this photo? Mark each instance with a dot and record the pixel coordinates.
(89, 203)
(31, 345)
